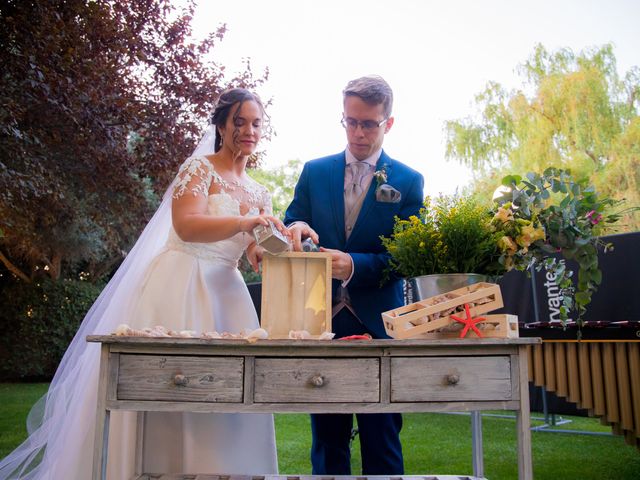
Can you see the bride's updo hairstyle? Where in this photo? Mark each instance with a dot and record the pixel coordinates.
(226, 101)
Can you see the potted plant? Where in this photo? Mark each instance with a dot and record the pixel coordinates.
(534, 218)
(448, 245)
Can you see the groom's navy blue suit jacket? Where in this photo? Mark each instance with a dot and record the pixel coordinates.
(319, 201)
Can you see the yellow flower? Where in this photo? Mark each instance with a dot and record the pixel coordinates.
(538, 234)
(504, 214)
(506, 244)
(421, 244)
(526, 236)
(508, 264)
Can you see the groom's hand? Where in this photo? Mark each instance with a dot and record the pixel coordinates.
(254, 255)
(300, 231)
(341, 263)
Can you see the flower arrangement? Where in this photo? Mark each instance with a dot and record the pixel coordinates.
(552, 213)
(451, 234)
(535, 219)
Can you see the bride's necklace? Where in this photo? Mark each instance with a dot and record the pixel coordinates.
(251, 190)
(230, 184)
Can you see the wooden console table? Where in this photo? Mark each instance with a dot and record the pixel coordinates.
(313, 376)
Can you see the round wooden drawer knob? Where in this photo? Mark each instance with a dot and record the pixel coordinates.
(180, 380)
(453, 379)
(317, 381)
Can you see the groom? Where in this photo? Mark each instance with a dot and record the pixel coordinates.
(345, 202)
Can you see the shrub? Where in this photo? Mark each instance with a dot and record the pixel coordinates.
(38, 320)
(451, 235)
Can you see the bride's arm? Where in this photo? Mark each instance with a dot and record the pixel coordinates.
(192, 223)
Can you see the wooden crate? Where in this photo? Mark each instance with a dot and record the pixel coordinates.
(296, 293)
(430, 315)
(501, 325)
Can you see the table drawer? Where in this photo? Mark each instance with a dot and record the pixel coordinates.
(303, 380)
(180, 378)
(451, 379)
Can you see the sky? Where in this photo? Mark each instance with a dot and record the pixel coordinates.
(436, 56)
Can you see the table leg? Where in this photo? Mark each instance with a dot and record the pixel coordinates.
(100, 452)
(101, 437)
(476, 444)
(523, 420)
(140, 424)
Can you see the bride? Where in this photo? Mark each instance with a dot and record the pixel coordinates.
(181, 274)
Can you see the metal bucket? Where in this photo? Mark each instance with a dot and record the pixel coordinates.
(425, 286)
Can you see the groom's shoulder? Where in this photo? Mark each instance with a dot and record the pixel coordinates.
(323, 165)
(327, 160)
(402, 168)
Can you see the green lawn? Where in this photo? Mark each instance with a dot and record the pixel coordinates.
(441, 444)
(433, 443)
(15, 402)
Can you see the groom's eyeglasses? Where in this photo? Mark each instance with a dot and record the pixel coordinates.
(366, 125)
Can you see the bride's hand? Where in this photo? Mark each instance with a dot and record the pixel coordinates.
(248, 223)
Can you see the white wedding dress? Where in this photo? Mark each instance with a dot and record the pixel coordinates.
(197, 286)
(185, 286)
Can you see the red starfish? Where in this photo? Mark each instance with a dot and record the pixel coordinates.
(469, 322)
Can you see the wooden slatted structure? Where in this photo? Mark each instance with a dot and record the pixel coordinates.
(600, 376)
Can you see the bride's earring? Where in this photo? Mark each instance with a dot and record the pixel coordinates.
(254, 159)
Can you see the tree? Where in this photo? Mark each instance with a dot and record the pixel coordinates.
(281, 182)
(100, 101)
(580, 115)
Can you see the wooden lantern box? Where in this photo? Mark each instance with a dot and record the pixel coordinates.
(296, 293)
(431, 318)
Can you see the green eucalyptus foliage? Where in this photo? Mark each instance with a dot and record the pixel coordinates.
(571, 215)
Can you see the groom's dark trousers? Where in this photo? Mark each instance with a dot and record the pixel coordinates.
(379, 441)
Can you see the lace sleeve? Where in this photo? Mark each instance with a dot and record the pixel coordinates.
(266, 202)
(195, 175)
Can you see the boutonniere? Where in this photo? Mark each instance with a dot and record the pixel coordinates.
(384, 192)
(380, 176)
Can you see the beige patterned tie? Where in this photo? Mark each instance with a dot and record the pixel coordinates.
(355, 176)
(356, 181)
